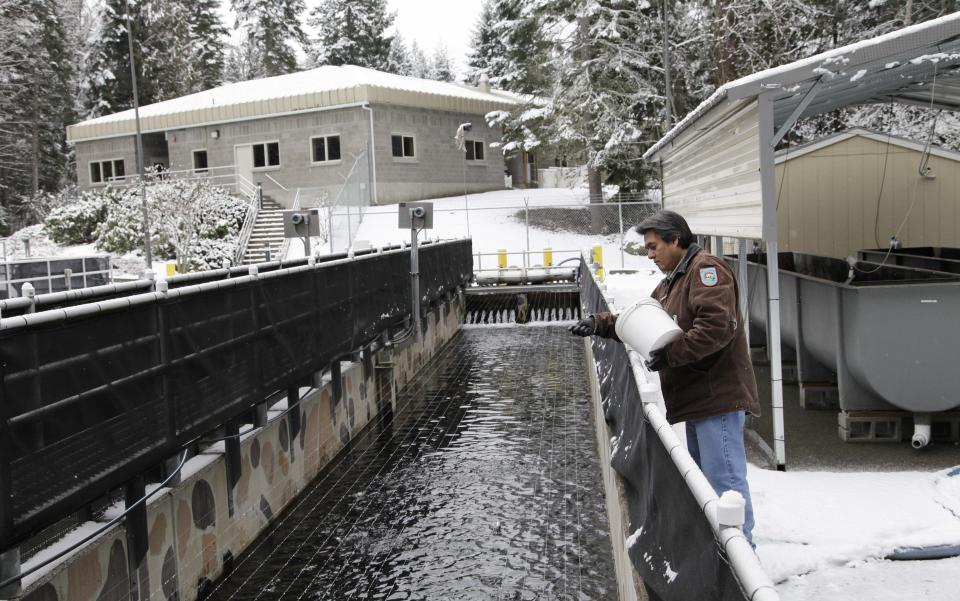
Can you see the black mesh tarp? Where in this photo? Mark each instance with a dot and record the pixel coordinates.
(90, 400)
(675, 553)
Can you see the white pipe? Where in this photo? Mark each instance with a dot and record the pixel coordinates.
(744, 562)
(373, 156)
(921, 430)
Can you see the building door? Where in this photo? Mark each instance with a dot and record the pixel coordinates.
(243, 161)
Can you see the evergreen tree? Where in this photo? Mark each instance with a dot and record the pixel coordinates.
(510, 46)
(208, 45)
(398, 60)
(607, 99)
(441, 68)
(36, 101)
(419, 65)
(166, 33)
(272, 26)
(352, 32)
(486, 45)
(243, 62)
(109, 86)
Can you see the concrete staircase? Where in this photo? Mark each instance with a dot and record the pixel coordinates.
(267, 233)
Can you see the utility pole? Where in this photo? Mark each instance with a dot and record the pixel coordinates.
(148, 254)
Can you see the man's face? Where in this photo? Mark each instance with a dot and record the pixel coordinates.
(666, 255)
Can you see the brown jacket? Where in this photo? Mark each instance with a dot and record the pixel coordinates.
(708, 368)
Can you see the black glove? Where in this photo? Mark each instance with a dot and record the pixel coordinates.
(657, 360)
(584, 327)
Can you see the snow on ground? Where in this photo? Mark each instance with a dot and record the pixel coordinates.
(824, 536)
(41, 245)
(493, 225)
(125, 267)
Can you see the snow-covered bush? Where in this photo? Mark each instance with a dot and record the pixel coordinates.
(78, 221)
(211, 253)
(193, 222)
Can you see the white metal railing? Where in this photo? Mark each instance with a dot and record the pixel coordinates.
(55, 280)
(224, 176)
(278, 184)
(246, 187)
(253, 194)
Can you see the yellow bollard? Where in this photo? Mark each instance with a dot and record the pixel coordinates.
(548, 257)
(598, 255)
(598, 260)
(502, 258)
(171, 269)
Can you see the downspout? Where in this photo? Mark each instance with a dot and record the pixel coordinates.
(373, 157)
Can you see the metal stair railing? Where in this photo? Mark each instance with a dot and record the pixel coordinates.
(254, 195)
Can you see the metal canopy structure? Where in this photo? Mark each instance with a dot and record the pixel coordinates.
(918, 65)
(717, 163)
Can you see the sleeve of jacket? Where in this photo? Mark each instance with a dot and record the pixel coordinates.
(714, 319)
(605, 325)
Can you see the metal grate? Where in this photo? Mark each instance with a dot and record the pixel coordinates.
(522, 304)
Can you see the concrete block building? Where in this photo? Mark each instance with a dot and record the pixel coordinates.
(308, 131)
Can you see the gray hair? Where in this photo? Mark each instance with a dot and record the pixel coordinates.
(669, 226)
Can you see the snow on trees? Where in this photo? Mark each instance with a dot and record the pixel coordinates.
(351, 32)
(36, 101)
(193, 222)
(273, 27)
(510, 46)
(398, 59)
(441, 68)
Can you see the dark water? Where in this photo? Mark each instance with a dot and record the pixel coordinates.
(484, 485)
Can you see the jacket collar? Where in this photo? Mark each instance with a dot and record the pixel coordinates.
(681, 267)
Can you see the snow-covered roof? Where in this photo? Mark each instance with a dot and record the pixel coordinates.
(824, 142)
(917, 65)
(316, 89)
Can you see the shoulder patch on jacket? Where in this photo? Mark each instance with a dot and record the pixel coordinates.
(708, 275)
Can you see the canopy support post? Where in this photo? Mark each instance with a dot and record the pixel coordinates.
(771, 237)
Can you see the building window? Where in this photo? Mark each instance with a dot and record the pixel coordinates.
(266, 154)
(474, 150)
(402, 146)
(104, 171)
(200, 161)
(324, 149)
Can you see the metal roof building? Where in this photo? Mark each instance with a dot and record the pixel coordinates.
(718, 163)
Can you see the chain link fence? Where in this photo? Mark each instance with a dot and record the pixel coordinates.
(522, 224)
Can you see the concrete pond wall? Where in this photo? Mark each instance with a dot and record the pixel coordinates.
(198, 525)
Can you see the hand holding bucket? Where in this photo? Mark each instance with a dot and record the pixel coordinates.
(646, 327)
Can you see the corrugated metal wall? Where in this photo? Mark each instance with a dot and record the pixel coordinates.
(711, 176)
(831, 203)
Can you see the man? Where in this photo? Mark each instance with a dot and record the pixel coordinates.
(706, 374)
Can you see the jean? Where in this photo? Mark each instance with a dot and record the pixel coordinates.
(716, 444)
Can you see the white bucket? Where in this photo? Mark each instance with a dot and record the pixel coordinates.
(646, 327)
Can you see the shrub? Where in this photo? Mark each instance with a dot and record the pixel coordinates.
(190, 221)
(78, 222)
